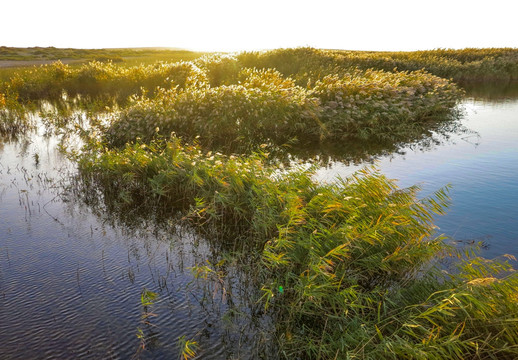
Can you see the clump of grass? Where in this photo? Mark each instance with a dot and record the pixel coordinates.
(44, 82)
(257, 109)
(354, 277)
(381, 105)
(14, 118)
(186, 178)
(265, 106)
(348, 270)
(187, 348)
(221, 69)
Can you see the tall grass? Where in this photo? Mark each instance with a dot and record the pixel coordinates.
(302, 64)
(266, 107)
(465, 65)
(348, 270)
(14, 118)
(97, 79)
(274, 96)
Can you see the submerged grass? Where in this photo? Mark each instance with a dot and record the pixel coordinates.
(14, 117)
(348, 270)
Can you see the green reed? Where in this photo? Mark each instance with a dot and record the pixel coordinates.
(464, 65)
(14, 117)
(265, 106)
(348, 270)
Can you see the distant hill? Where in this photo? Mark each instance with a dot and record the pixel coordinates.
(9, 56)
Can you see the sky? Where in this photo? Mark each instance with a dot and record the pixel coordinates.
(237, 25)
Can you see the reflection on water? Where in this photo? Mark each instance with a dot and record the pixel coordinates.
(71, 279)
(72, 271)
(492, 92)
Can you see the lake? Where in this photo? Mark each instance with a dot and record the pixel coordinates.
(71, 275)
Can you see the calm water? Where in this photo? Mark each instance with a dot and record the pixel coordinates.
(71, 277)
(71, 280)
(481, 166)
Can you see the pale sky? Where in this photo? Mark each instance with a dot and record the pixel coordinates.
(232, 25)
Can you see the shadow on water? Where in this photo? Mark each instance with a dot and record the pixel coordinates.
(422, 137)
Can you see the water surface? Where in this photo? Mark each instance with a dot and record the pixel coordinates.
(71, 277)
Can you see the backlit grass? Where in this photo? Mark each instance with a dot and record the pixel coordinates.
(264, 106)
(348, 270)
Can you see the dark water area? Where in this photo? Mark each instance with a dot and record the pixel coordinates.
(72, 275)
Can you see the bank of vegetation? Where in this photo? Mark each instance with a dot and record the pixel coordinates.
(348, 270)
(231, 99)
(463, 66)
(358, 91)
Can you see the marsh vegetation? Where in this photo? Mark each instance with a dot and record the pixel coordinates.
(350, 269)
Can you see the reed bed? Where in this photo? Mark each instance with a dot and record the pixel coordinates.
(14, 118)
(462, 66)
(274, 96)
(264, 106)
(302, 64)
(348, 270)
(95, 80)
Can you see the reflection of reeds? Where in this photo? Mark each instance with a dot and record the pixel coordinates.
(14, 118)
